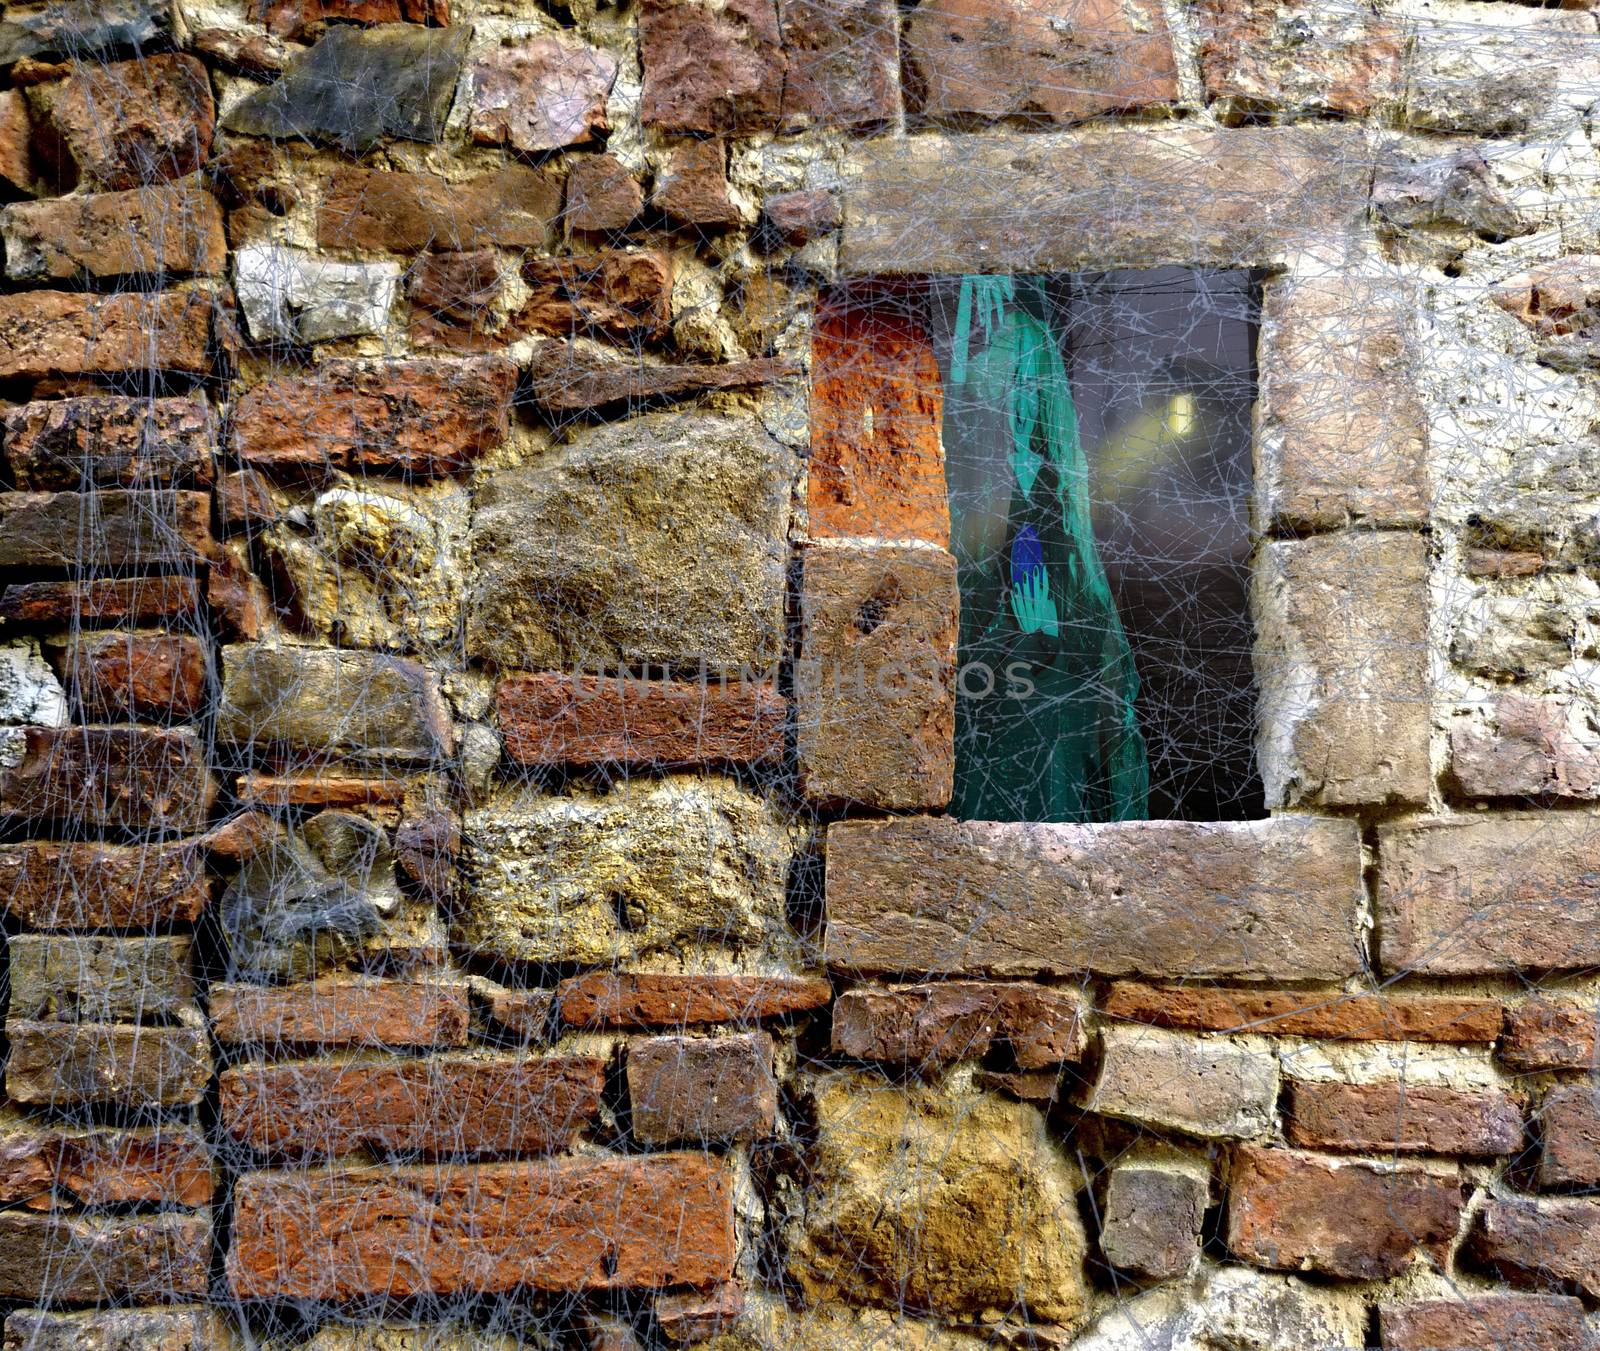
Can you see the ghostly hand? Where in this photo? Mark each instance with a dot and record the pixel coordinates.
(1031, 603)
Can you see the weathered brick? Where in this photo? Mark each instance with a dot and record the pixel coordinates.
(99, 979)
(421, 417)
(172, 1329)
(542, 94)
(64, 1064)
(961, 1020)
(1135, 197)
(73, 1260)
(1354, 1220)
(302, 18)
(795, 218)
(1493, 1322)
(1210, 1087)
(513, 208)
(691, 188)
(1267, 900)
(44, 333)
(1473, 894)
(1272, 57)
(128, 778)
(696, 1315)
(101, 886)
(1300, 1013)
(877, 409)
(381, 794)
(1340, 423)
(602, 194)
(1526, 746)
(563, 378)
(123, 124)
(578, 1224)
(341, 1011)
(1569, 1130)
(1546, 1242)
(1402, 1118)
(113, 528)
(842, 63)
(1550, 1034)
(624, 294)
(172, 230)
(107, 600)
(1341, 623)
(1054, 62)
(523, 1012)
(16, 141)
(875, 683)
(422, 1108)
(658, 999)
(122, 676)
(1151, 1216)
(711, 69)
(108, 441)
(550, 718)
(45, 1166)
(702, 1090)
(317, 701)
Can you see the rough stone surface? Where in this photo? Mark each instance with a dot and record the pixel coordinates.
(1526, 746)
(1356, 1221)
(293, 295)
(662, 1220)
(692, 186)
(946, 1021)
(101, 886)
(1271, 900)
(540, 95)
(149, 1258)
(167, 231)
(106, 600)
(1208, 1087)
(512, 207)
(319, 702)
(577, 568)
(357, 86)
(602, 195)
(566, 379)
(298, 18)
(120, 676)
(617, 293)
(174, 1329)
(1487, 893)
(1341, 644)
(1550, 1034)
(108, 529)
(702, 1090)
(1402, 1118)
(1569, 1128)
(109, 441)
(45, 1166)
(1542, 1243)
(29, 691)
(841, 63)
(1151, 1216)
(44, 333)
(711, 69)
(646, 999)
(1055, 62)
(549, 718)
(341, 1011)
(76, 27)
(1503, 1322)
(16, 136)
(875, 684)
(134, 779)
(647, 866)
(1560, 303)
(98, 980)
(923, 1201)
(419, 1108)
(61, 1064)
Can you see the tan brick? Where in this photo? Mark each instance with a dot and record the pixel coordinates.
(1210, 1087)
(341, 1011)
(1402, 1118)
(702, 1090)
(76, 1260)
(189, 1328)
(98, 979)
(66, 1064)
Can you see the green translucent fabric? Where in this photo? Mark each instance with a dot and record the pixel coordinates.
(1046, 728)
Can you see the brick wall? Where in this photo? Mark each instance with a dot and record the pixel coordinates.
(381, 377)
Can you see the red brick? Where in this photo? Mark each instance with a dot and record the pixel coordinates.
(67, 1064)
(1527, 746)
(1489, 893)
(617, 293)
(101, 886)
(421, 417)
(843, 62)
(601, 195)
(702, 1090)
(960, 1020)
(106, 600)
(1357, 1221)
(122, 676)
(1402, 1118)
(649, 999)
(44, 1166)
(1547, 1034)
(1300, 1013)
(575, 1224)
(122, 1258)
(696, 1315)
(129, 778)
(711, 68)
(245, 502)
(875, 683)
(240, 604)
(1053, 62)
(44, 333)
(341, 1011)
(1569, 1126)
(796, 218)
(692, 187)
(542, 94)
(458, 286)
(429, 1108)
(108, 441)
(1548, 1242)
(171, 230)
(551, 719)
(511, 208)
(1491, 1322)
(877, 410)
(124, 124)
(382, 795)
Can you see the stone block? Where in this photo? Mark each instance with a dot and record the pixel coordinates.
(542, 94)
(112, 529)
(1151, 1216)
(109, 441)
(171, 230)
(123, 1258)
(97, 979)
(602, 195)
(512, 208)
(79, 26)
(65, 1065)
(1503, 1322)
(45, 333)
(343, 1012)
(1402, 1118)
(842, 63)
(691, 187)
(29, 690)
(944, 1021)
(702, 1090)
(50, 885)
(1205, 1086)
(1544, 1242)
(711, 69)
(624, 294)
(661, 999)
(296, 296)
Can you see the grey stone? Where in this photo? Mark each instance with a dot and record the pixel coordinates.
(1457, 189)
(1210, 1087)
(175, 1329)
(662, 540)
(76, 28)
(292, 295)
(1151, 1215)
(359, 85)
(29, 690)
